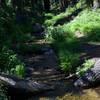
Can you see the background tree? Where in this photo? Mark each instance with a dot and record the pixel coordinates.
(63, 4)
(2, 3)
(46, 5)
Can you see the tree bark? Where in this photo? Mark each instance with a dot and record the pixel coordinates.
(46, 5)
(63, 4)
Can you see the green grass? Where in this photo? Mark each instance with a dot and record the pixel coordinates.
(54, 18)
(84, 67)
(66, 44)
(87, 22)
(66, 47)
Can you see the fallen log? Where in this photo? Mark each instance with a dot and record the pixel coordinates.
(22, 85)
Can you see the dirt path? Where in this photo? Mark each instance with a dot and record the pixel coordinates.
(43, 68)
(42, 64)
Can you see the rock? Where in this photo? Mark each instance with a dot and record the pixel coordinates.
(37, 29)
(47, 50)
(91, 77)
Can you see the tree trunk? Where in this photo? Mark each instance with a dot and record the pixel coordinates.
(47, 5)
(33, 3)
(63, 4)
(2, 3)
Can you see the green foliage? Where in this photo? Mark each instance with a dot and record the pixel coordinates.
(68, 53)
(48, 36)
(2, 93)
(10, 31)
(58, 34)
(87, 22)
(51, 22)
(65, 45)
(18, 70)
(84, 67)
(55, 34)
(9, 61)
(67, 60)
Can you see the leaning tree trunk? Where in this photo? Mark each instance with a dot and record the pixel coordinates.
(96, 4)
(22, 86)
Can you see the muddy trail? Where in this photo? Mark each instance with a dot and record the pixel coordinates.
(43, 68)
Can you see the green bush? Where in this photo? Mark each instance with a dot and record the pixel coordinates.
(8, 61)
(84, 67)
(51, 22)
(2, 93)
(56, 34)
(68, 53)
(10, 31)
(18, 70)
(67, 60)
(65, 45)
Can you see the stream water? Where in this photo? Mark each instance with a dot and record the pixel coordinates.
(67, 91)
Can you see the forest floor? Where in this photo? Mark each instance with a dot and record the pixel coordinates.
(43, 67)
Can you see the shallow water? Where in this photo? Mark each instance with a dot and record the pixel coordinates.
(69, 92)
(86, 95)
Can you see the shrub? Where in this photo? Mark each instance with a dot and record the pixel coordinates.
(65, 45)
(67, 60)
(84, 67)
(2, 93)
(9, 61)
(58, 34)
(51, 22)
(18, 70)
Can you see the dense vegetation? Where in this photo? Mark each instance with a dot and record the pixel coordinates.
(65, 39)
(62, 20)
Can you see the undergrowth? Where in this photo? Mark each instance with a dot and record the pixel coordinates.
(88, 23)
(65, 42)
(66, 47)
(10, 63)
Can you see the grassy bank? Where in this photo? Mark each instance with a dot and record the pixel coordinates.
(65, 42)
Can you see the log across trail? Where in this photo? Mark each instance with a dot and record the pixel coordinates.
(23, 85)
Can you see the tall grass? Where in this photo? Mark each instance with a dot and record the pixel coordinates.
(66, 47)
(65, 42)
(87, 22)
